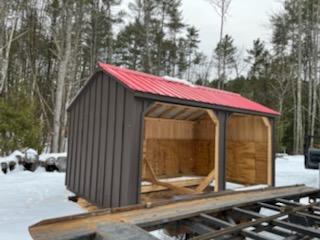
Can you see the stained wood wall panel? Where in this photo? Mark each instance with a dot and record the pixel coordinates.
(159, 128)
(179, 147)
(247, 150)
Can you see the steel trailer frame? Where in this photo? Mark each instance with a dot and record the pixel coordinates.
(290, 220)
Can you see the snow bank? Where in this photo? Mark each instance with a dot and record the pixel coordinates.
(13, 157)
(45, 156)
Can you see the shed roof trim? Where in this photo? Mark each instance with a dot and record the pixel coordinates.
(147, 83)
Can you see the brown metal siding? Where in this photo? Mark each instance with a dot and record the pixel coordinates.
(77, 145)
(105, 141)
(74, 132)
(96, 138)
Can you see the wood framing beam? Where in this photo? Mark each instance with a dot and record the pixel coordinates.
(194, 114)
(179, 183)
(181, 190)
(165, 112)
(180, 113)
(153, 109)
(206, 181)
(153, 178)
(214, 172)
(267, 124)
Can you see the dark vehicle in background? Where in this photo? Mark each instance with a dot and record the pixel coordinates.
(312, 152)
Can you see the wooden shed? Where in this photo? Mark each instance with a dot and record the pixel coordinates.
(132, 133)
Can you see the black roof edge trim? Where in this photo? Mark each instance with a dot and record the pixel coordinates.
(200, 104)
(98, 71)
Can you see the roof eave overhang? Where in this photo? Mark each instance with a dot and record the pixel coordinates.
(201, 104)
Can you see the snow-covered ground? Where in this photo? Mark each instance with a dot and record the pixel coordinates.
(290, 170)
(26, 197)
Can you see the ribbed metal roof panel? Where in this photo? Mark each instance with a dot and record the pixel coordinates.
(146, 83)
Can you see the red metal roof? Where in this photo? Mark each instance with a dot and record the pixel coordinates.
(147, 83)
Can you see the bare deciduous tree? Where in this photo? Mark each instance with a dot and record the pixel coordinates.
(222, 8)
(298, 126)
(64, 54)
(6, 39)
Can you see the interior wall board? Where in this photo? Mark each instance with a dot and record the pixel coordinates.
(247, 154)
(179, 147)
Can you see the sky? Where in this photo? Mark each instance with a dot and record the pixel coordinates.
(247, 20)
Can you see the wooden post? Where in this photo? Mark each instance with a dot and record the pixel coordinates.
(214, 172)
(270, 164)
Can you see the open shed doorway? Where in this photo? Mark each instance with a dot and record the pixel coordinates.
(180, 149)
(249, 150)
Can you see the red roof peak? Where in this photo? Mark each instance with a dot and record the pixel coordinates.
(147, 83)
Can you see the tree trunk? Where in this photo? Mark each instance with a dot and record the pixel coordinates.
(220, 76)
(315, 72)
(5, 54)
(62, 73)
(147, 5)
(299, 129)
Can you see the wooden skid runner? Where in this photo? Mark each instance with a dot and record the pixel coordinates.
(152, 216)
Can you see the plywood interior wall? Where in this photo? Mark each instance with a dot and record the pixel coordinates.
(247, 150)
(179, 147)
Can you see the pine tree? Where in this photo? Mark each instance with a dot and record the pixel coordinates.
(258, 58)
(225, 54)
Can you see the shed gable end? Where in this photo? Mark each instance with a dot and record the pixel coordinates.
(102, 121)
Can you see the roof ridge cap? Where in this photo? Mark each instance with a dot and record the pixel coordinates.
(129, 70)
(217, 90)
(143, 74)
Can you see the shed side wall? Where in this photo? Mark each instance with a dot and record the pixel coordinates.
(106, 123)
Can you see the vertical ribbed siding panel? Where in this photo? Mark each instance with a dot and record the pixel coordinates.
(109, 144)
(128, 163)
(79, 140)
(96, 140)
(103, 138)
(145, 104)
(84, 143)
(118, 139)
(75, 139)
(90, 139)
(69, 155)
(132, 175)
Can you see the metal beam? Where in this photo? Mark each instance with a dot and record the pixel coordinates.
(288, 202)
(223, 224)
(196, 227)
(292, 226)
(270, 206)
(297, 228)
(223, 128)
